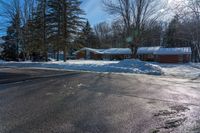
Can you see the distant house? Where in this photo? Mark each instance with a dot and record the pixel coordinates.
(158, 54)
(165, 55)
(147, 53)
(103, 54)
(173, 55)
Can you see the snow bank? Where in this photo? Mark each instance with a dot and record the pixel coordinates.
(126, 66)
(190, 70)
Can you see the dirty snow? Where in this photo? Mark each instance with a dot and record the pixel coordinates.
(190, 70)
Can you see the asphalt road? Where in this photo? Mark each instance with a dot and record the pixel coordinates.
(48, 101)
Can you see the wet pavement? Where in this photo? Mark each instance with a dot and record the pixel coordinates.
(49, 101)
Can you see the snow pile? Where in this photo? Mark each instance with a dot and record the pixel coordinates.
(126, 66)
(137, 66)
(190, 70)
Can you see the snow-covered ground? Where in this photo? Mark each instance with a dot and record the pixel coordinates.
(190, 70)
(126, 66)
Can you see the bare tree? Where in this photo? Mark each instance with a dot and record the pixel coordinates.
(136, 14)
(189, 12)
(103, 32)
(11, 12)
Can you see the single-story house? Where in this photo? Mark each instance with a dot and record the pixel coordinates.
(147, 53)
(103, 54)
(158, 54)
(173, 55)
(165, 55)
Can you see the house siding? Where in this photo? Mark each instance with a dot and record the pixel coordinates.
(81, 55)
(173, 58)
(146, 57)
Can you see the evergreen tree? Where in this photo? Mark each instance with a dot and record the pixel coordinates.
(54, 24)
(41, 16)
(12, 40)
(87, 37)
(10, 49)
(66, 18)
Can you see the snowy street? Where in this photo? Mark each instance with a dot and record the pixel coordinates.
(43, 101)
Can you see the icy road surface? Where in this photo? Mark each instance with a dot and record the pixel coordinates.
(47, 101)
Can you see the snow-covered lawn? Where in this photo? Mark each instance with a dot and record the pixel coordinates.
(190, 70)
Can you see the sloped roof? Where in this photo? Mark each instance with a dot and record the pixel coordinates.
(173, 51)
(142, 50)
(147, 50)
(107, 51)
(117, 51)
(99, 51)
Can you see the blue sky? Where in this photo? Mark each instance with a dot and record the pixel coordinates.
(94, 11)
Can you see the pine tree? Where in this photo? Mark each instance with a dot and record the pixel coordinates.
(54, 25)
(12, 40)
(10, 48)
(87, 37)
(37, 32)
(66, 17)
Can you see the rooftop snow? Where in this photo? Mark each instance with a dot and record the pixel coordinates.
(108, 51)
(142, 50)
(173, 51)
(147, 50)
(98, 51)
(117, 51)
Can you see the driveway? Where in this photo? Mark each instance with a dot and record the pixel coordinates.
(44, 101)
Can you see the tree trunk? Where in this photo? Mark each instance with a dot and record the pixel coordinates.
(57, 55)
(65, 54)
(65, 30)
(44, 31)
